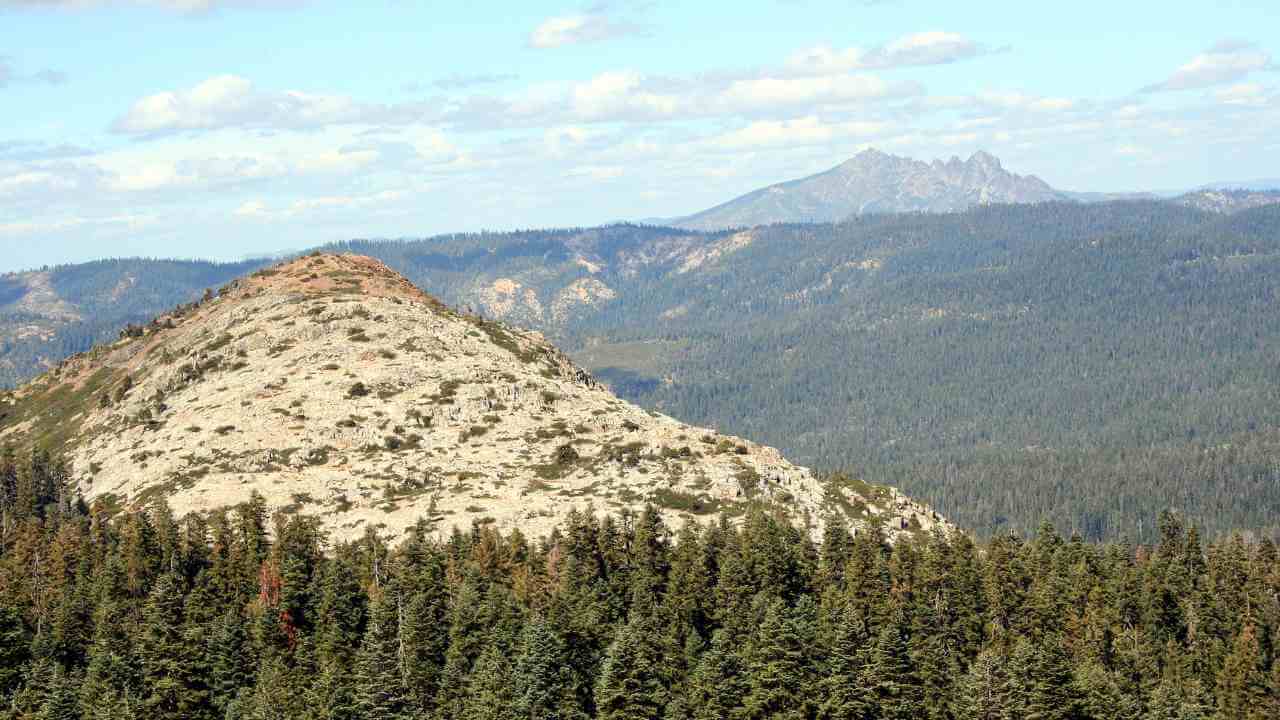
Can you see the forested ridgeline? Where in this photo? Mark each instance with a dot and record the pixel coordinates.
(1090, 364)
(138, 615)
(76, 306)
(1087, 363)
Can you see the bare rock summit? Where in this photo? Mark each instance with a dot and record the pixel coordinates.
(333, 387)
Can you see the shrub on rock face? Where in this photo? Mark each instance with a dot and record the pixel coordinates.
(566, 454)
(358, 390)
(124, 389)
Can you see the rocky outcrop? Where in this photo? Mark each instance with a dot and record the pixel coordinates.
(332, 387)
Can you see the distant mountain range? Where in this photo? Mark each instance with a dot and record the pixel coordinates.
(874, 182)
(1262, 184)
(1228, 200)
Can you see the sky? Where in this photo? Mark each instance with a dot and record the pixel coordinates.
(231, 128)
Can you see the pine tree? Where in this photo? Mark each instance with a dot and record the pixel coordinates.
(1041, 683)
(718, 683)
(891, 684)
(1242, 684)
(686, 603)
(980, 693)
(651, 561)
(61, 700)
(1100, 696)
(840, 684)
(1172, 701)
(279, 693)
(632, 683)
(422, 639)
(112, 673)
(379, 691)
(490, 695)
(777, 672)
(168, 659)
(296, 554)
(543, 685)
(228, 660)
(15, 645)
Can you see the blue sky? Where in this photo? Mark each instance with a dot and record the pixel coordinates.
(225, 128)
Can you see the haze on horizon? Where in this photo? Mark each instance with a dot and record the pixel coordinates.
(233, 127)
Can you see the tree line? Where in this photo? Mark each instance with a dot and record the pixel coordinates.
(110, 612)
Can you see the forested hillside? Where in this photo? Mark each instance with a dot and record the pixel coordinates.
(1086, 363)
(136, 615)
(49, 314)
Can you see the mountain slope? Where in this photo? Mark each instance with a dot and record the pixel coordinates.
(875, 182)
(1228, 200)
(1080, 362)
(332, 386)
(1084, 363)
(48, 314)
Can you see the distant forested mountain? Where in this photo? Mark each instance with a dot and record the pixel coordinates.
(1086, 363)
(48, 314)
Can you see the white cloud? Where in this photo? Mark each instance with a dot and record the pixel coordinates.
(791, 133)
(54, 225)
(627, 96)
(978, 122)
(1128, 112)
(597, 172)
(251, 208)
(460, 81)
(1133, 151)
(1012, 100)
(162, 171)
(565, 30)
(774, 92)
(559, 140)
(613, 94)
(923, 48)
(1224, 63)
(232, 101)
(259, 210)
(1248, 94)
(336, 161)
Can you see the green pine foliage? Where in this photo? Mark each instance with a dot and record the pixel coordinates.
(109, 616)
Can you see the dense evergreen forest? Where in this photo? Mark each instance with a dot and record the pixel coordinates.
(108, 613)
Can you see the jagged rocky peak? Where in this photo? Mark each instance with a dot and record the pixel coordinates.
(333, 387)
(876, 182)
(984, 159)
(868, 157)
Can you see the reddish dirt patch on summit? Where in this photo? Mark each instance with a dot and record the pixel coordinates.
(323, 274)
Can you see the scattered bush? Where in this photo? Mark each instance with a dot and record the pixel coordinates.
(566, 454)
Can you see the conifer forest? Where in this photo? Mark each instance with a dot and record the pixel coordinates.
(109, 613)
